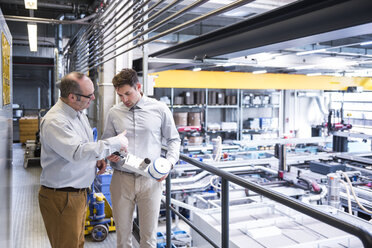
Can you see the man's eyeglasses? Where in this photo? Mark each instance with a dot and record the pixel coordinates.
(88, 96)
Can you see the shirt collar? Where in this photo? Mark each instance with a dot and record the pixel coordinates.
(139, 105)
(141, 102)
(68, 109)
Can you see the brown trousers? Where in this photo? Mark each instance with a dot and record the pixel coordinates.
(64, 216)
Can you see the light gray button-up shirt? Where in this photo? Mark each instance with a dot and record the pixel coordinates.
(148, 123)
(68, 152)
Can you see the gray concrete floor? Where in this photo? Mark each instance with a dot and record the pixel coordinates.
(27, 224)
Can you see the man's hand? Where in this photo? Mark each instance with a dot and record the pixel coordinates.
(101, 165)
(123, 141)
(161, 179)
(170, 168)
(113, 158)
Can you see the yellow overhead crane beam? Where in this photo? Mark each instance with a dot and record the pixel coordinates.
(244, 80)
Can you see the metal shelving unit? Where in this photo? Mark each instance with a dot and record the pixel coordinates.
(226, 112)
(266, 102)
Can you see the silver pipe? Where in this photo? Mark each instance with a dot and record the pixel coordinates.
(134, 21)
(117, 33)
(334, 190)
(38, 98)
(360, 192)
(367, 171)
(161, 11)
(91, 28)
(49, 88)
(185, 205)
(164, 21)
(96, 52)
(200, 18)
(177, 28)
(114, 18)
(318, 197)
(42, 20)
(95, 37)
(96, 23)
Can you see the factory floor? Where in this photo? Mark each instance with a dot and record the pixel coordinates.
(28, 227)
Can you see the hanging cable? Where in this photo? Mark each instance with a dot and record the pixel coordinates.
(215, 186)
(348, 196)
(352, 191)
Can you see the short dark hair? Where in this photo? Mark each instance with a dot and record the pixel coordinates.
(69, 83)
(125, 77)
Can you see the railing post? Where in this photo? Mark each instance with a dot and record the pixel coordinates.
(225, 213)
(168, 211)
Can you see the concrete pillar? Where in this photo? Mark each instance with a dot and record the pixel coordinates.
(107, 95)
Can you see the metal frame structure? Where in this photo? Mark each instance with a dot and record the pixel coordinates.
(364, 235)
(314, 21)
(121, 26)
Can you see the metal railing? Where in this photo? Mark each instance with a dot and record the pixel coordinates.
(364, 235)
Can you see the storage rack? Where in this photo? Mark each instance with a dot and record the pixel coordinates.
(226, 112)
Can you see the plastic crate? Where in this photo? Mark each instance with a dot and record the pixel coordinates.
(105, 188)
(104, 178)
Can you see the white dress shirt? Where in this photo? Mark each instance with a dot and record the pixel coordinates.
(148, 123)
(68, 152)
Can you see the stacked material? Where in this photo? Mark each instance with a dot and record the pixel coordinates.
(187, 119)
(28, 126)
(180, 118)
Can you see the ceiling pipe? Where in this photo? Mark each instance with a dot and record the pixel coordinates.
(43, 20)
(59, 41)
(46, 5)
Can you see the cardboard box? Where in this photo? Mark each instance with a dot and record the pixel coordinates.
(28, 127)
(193, 119)
(180, 118)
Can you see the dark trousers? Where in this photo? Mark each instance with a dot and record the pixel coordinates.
(64, 216)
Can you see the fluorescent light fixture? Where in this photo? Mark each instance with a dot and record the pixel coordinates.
(229, 64)
(366, 43)
(311, 52)
(314, 74)
(31, 4)
(259, 72)
(32, 36)
(302, 67)
(263, 56)
(235, 13)
(196, 69)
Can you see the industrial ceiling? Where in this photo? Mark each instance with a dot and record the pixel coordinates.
(277, 36)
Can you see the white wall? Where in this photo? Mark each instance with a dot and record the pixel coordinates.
(302, 111)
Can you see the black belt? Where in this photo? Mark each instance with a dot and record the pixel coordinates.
(67, 189)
